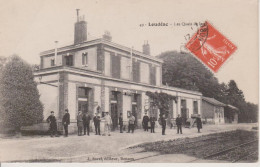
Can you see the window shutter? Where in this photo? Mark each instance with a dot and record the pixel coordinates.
(116, 65)
(83, 59)
(86, 58)
(100, 58)
(152, 75)
(136, 71)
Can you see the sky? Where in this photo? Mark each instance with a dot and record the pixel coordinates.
(31, 26)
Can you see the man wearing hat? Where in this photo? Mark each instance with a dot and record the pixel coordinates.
(96, 121)
(108, 122)
(121, 123)
(131, 125)
(152, 122)
(86, 120)
(145, 122)
(179, 124)
(199, 123)
(66, 122)
(53, 124)
(80, 123)
(163, 121)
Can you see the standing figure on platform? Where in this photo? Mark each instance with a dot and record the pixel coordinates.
(97, 120)
(131, 125)
(53, 124)
(179, 124)
(108, 122)
(199, 123)
(163, 121)
(86, 120)
(66, 122)
(80, 123)
(152, 122)
(145, 122)
(121, 123)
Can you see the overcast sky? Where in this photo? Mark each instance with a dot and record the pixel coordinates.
(31, 26)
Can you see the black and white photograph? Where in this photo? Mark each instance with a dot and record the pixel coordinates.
(129, 81)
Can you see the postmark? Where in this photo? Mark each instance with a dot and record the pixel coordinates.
(210, 46)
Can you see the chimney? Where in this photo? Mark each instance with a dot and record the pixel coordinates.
(107, 36)
(146, 48)
(80, 31)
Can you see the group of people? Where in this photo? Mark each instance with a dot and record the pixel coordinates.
(83, 123)
(162, 120)
(146, 121)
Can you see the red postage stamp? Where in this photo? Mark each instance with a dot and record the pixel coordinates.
(210, 46)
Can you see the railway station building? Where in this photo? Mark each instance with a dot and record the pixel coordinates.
(212, 111)
(98, 76)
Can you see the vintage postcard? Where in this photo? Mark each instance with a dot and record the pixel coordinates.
(133, 81)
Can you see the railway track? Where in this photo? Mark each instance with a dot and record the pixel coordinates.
(244, 157)
(196, 144)
(227, 150)
(218, 139)
(208, 156)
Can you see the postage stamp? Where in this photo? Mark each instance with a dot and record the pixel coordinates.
(210, 46)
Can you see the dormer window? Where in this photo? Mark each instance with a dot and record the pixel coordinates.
(84, 58)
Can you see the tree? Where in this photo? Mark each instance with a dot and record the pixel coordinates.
(161, 101)
(235, 97)
(252, 110)
(2, 64)
(19, 95)
(185, 71)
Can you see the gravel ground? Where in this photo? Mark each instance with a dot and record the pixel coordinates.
(206, 145)
(79, 149)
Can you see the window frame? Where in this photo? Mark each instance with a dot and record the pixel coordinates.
(85, 59)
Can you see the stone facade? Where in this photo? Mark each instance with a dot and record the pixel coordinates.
(119, 94)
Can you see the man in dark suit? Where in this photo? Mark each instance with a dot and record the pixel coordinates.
(179, 124)
(145, 122)
(66, 122)
(53, 124)
(97, 120)
(86, 120)
(163, 121)
(199, 123)
(121, 122)
(152, 122)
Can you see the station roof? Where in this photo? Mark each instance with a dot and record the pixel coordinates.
(213, 101)
(232, 107)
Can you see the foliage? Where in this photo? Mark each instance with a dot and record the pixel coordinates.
(19, 95)
(235, 97)
(162, 101)
(185, 71)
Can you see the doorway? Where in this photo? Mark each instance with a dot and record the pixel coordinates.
(134, 112)
(114, 116)
(114, 109)
(184, 111)
(83, 106)
(83, 99)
